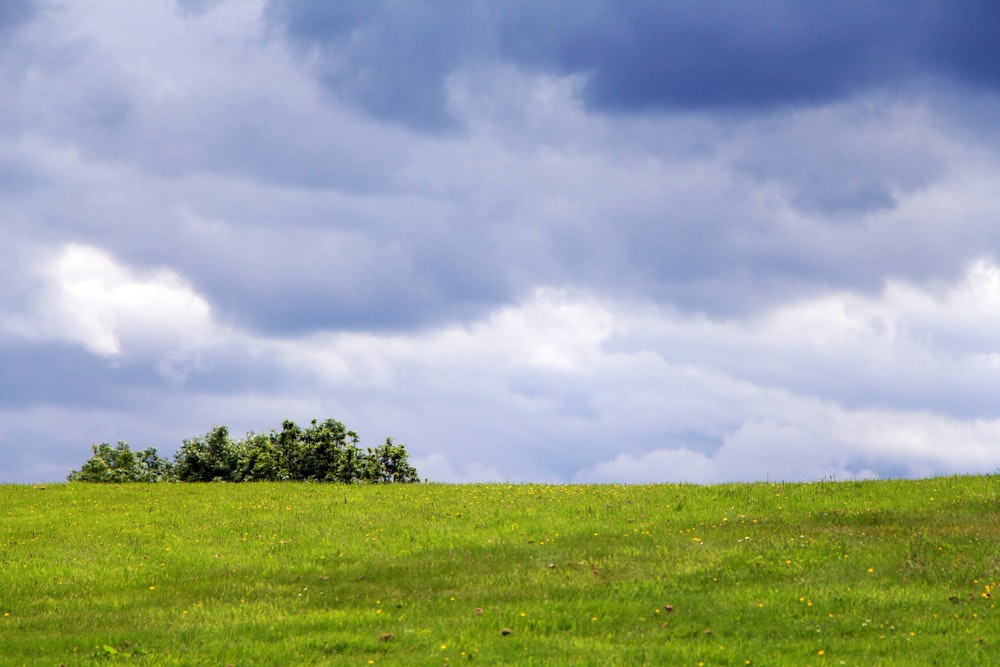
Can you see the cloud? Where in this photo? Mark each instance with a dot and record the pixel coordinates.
(565, 386)
(808, 390)
(15, 13)
(534, 242)
(838, 445)
(394, 59)
(111, 310)
(390, 59)
(437, 468)
(307, 214)
(656, 467)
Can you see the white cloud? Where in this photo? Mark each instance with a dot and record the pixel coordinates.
(657, 466)
(436, 467)
(567, 386)
(551, 330)
(829, 443)
(92, 300)
(561, 378)
(957, 320)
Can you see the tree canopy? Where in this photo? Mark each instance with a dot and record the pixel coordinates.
(322, 452)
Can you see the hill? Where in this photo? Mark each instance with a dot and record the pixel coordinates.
(856, 573)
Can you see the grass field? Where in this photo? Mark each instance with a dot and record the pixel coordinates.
(837, 573)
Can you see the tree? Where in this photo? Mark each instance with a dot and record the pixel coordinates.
(153, 467)
(120, 464)
(257, 459)
(288, 443)
(208, 458)
(329, 452)
(323, 452)
(389, 463)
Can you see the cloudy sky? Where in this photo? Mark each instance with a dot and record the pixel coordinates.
(565, 241)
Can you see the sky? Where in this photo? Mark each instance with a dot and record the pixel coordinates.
(569, 241)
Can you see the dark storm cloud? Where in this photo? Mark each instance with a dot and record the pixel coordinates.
(756, 55)
(393, 58)
(961, 39)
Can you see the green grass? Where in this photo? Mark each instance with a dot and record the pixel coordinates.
(854, 573)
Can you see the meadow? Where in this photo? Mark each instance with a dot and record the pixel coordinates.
(830, 573)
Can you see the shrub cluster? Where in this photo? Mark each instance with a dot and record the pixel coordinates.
(322, 452)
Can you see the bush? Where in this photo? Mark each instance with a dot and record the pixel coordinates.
(208, 458)
(323, 452)
(120, 464)
(390, 463)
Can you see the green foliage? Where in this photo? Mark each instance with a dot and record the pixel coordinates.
(208, 458)
(120, 464)
(867, 573)
(257, 459)
(389, 463)
(323, 452)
